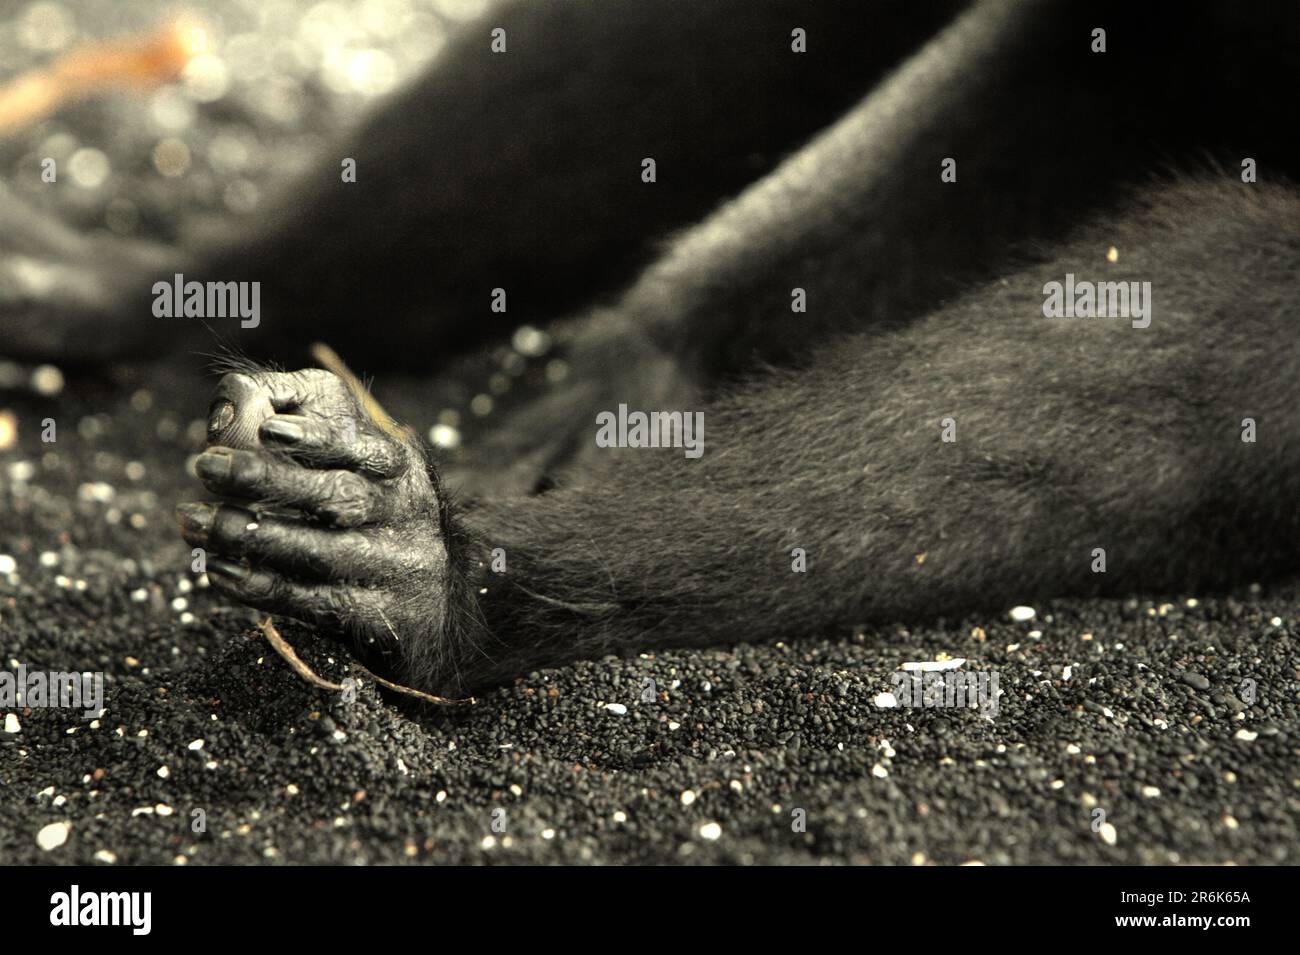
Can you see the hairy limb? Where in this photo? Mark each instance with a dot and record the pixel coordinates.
(1041, 130)
(1072, 434)
(70, 296)
(522, 170)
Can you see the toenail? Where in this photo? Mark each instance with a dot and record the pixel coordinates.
(282, 430)
(225, 568)
(195, 519)
(213, 465)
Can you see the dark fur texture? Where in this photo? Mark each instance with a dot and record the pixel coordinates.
(927, 298)
(925, 302)
(1072, 434)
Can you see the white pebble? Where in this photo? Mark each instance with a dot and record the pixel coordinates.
(880, 772)
(163, 772)
(711, 831)
(1108, 833)
(1067, 672)
(196, 745)
(1021, 614)
(688, 796)
(1248, 736)
(11, 723)
(886, 701)
(618, 709)
(1151, 792)
(931, 666)
(53, 835)
(105, 856)
(7, 564)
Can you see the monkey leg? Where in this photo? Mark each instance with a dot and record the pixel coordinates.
(72, 297)
(984, 454)
(522, 169)
(860, 229)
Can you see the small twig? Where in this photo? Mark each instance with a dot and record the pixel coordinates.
(418, 694)
(290, 656)
(329, 359)
(142, 61)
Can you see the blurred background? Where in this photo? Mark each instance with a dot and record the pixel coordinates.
(271, 82)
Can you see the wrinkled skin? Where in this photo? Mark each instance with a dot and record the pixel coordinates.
(326, 518)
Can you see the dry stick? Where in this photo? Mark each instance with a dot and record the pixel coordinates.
(141, 61)
(290, 656)
(418, 694)
(330, 360)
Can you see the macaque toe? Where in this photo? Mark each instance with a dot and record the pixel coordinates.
(287, 546)
(357, 611)
(340, 498)
(334, 443)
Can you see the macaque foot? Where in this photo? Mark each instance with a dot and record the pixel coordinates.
(326, 517)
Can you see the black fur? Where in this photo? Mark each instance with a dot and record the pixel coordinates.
(823, 429)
